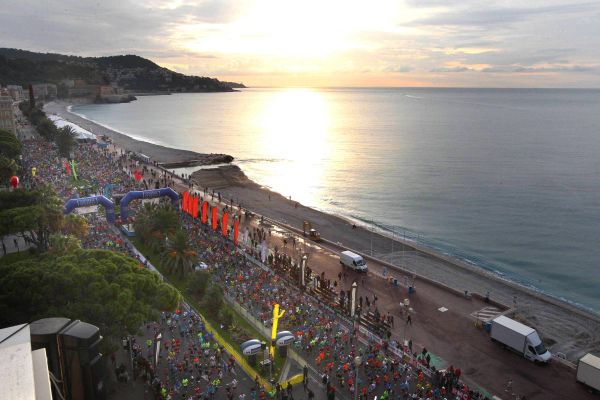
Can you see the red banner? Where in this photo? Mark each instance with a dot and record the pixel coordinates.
(195, 207)
(184, 202)
(236, 231)
(214, 218)
(224, 224)
(204, 212)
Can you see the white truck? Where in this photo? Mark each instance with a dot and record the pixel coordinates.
(588, 371)
(353, 260)
(520, 338)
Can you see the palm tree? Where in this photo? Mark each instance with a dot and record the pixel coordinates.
(154, 222)
(65, 140)
(179, 257)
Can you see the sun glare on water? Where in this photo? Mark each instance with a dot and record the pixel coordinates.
(295, 128)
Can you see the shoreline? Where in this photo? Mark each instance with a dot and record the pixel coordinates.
(167, 157)
(571, 328)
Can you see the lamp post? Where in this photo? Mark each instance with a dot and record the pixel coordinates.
(302, 271)
(353, 299)
(357, 362)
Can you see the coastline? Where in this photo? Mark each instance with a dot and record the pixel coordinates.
(168, 157)
(574, 330)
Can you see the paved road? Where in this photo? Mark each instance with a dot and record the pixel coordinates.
(451, 334)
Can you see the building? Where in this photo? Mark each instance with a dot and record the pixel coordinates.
(7, 115)
(16, 92)
(106, 90)
(69, 83)
(23, 371)
(52, 358)
(45, 91)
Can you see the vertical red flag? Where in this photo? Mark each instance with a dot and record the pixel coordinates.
(184, 201)
(236, 231)
(224, 224)
(204, 212)
(214, 218)
(195, 207)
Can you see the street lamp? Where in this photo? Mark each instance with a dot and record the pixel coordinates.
(302, 273)
(357, 362)
(353, 299)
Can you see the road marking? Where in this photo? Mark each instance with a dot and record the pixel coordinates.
(486, 314)
(442, 309)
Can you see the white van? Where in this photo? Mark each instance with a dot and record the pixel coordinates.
(353, 260)
(520, 338)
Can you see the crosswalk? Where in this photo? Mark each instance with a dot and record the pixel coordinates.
(486, 314)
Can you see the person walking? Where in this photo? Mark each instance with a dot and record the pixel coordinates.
(305, 377)
(409, 320)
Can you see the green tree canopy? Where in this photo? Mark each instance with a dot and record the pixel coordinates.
(34, 214)
(179, 256)
(10, 150)
(154, 223)
(104, 288)
(46, 128)
(65, 140)
(9, 145)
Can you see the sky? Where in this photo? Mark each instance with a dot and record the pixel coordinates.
(467, 43)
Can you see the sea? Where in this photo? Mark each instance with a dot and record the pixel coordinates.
(505, 179)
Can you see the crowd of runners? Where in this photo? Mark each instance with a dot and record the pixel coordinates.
(190, 364)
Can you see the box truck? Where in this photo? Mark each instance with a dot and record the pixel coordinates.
(588, 371)
(520, 338)
(353, 260)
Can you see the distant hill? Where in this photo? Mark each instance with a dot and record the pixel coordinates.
(131, 72)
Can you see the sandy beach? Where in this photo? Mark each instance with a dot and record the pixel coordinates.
(169, 157)
(564, 328)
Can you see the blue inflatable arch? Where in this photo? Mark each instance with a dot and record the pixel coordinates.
(109, 206)
(147, 194)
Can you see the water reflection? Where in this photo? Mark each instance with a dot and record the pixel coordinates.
(294, 127)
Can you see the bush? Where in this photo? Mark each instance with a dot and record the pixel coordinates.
(225, 318)
(213, 301)
(198, 284)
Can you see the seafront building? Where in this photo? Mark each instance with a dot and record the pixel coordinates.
(7, 115)
(45, 91)
(16, 92)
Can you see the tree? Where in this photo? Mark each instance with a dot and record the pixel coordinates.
(34, 214)
(10, 150)
(63, 244)
(8, 168)
(154, 223)
(213, 301)
(65, 140)
(104, 288)
(75, 225)
(47, 129)
(198, 283)
(9, 145)
(178, 256)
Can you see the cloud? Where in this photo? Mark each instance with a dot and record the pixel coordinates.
(539, 69)
(451, 69)
(104, 27)
(401, 68)
(530, 57)
(551, 40)
(491, 16)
